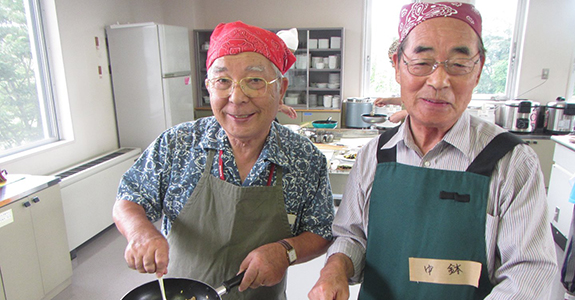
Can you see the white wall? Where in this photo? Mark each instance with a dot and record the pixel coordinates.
(549, 43)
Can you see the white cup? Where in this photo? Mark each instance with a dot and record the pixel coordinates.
(335, 101)
(312, 44)
(315, 60)
(335, 42)
(319, 65)
(327, 100)
(332, 64)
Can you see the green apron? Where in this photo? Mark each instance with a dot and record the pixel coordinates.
(426, 230)
(220, 224)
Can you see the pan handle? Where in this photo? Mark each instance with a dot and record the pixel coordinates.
(230, 283)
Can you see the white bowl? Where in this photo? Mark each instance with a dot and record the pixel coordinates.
(333, 85)
(322, 85)
(291, 100)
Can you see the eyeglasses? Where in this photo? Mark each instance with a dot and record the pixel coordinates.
(426, 66)
(251, 86)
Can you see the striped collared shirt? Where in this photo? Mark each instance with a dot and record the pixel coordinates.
(520, 250)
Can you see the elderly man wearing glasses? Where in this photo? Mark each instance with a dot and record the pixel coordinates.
(445, 206)
(237, 191)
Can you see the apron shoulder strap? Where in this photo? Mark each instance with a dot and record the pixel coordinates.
(485, 162)
(386, 155)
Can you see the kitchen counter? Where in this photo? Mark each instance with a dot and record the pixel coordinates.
(565, 140)
(19, 186)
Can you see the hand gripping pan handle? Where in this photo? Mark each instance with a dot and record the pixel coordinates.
(229, 284)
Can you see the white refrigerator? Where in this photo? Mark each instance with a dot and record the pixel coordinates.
(150, 71)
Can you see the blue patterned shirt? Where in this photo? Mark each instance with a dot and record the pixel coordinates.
(165, 175)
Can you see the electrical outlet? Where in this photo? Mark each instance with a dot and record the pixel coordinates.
(545, 73)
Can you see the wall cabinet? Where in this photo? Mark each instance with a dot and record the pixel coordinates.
(34, 258)
(317, 72)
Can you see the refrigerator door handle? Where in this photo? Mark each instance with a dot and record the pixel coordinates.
(176, 74)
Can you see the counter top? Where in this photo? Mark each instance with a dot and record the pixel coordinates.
(19, 186)
(565, 140)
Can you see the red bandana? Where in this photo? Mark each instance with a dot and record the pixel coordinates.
(414, 14)
(237, 37)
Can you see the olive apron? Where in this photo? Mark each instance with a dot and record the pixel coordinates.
(220, 224)
(426, 235)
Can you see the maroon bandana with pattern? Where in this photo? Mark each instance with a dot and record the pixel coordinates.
(414, 14)
(237, 37)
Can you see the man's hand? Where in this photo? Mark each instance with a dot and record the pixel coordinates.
(333, 281)
(264, 266)
(147, 249)
(148, 253)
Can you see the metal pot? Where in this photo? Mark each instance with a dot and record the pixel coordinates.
(354, 108)
(518, 115)
(560, 116)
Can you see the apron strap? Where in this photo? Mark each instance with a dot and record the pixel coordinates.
(485, 162)
(386, 155)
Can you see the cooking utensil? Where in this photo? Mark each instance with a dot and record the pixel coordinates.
(329, 123)
(162, 289)
(183, 289)
(373, 119)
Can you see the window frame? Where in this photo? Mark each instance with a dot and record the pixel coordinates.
(44, 81)
(511, 88)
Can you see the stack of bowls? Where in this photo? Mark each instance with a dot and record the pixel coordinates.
(333, 81)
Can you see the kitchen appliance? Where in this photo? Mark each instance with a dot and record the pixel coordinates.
(182, 288)
(560, 116)
(354, 108)
(150, 65)
(518, 115)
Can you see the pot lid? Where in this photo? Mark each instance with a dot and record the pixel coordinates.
(519, 102)
(558, 103)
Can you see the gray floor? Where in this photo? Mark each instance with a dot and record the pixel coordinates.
(100, 273)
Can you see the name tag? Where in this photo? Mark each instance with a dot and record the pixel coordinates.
(443, 271)
(291, 219)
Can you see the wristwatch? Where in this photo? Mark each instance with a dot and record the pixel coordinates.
(290, 251)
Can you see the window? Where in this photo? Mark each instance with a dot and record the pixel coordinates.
(27, 117)
(500, 25)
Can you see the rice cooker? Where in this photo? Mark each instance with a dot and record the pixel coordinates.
(354, 108)
(518, 115)
(560, 116)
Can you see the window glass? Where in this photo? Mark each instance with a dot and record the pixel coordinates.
(499, 22)
(27, 114)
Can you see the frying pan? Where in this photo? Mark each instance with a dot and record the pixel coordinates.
(182, 289)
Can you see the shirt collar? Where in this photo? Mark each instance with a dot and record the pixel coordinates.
(461, 128)
(458, 135)
(215, 138)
